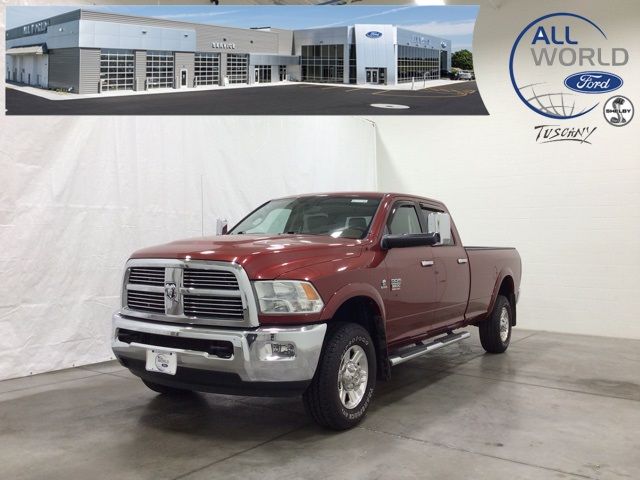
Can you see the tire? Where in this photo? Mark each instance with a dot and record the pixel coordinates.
(340, 402)
(164, 390)
(493, 337)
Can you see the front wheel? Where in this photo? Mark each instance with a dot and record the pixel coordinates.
(342, 388)
(495, 331)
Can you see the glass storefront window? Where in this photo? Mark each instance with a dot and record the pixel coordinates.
(417, 63)
(323, 63)
(263, 73)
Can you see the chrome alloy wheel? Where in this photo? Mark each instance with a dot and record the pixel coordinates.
(505, 321)
(353, 376)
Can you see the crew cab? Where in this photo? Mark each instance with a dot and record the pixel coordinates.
(313, 295)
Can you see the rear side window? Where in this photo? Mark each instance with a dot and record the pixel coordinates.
(404, 219)
(428, 214)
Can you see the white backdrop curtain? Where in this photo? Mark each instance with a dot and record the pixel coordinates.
(78, 195)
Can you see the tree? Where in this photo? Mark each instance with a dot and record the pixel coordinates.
(462, 59)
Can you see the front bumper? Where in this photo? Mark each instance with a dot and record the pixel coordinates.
(247, 366)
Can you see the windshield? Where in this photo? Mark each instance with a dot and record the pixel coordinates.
(339, 217)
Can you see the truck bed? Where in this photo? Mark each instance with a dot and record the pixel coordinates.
(487, 266)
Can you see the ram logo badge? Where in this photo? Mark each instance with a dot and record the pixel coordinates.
(171, 291)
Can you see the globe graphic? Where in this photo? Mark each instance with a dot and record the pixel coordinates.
(554, 104)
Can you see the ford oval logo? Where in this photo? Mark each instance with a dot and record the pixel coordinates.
(593, 82)
(374, 34)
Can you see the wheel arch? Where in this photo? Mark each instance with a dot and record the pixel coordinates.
(505, 286)
(361, 305)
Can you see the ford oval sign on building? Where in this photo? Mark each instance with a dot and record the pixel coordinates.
(374, 34)
(593, 82)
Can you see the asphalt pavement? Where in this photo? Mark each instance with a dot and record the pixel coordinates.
(297, 99)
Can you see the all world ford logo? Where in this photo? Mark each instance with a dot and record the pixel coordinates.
(374, 34)
(593, 82)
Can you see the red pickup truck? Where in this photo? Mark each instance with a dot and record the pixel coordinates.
(318, 295)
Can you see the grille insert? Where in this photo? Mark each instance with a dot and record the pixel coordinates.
(147, 276)
(210, 279)
(218, 307)
(146, 301)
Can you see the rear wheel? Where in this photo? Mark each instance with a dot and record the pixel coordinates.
(163, 389)
(342, 388)
(495, 331)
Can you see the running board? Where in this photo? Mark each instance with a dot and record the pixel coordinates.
(422, 348)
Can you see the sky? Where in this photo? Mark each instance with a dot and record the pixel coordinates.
(452, 22)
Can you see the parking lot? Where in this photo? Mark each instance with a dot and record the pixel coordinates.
(297, 99)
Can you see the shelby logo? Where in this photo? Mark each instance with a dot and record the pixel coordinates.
(593, 82)
(544, 60)
(556, 133)
(373, 34)
(618, 111)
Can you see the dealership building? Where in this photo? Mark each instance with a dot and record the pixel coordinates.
(87, 52)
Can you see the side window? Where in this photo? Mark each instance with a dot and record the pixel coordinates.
(435, 224)
(404, 219)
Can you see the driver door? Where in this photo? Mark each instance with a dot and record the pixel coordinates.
(409, 292)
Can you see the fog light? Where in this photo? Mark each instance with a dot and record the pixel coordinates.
(282, 350)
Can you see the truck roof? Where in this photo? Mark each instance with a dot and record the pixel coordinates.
(378, 195)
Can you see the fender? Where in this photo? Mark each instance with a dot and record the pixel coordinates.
(354, 290)
(350, 291)
(504, 273)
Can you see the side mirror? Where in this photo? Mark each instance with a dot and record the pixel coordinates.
(222, 226)
(410, 240)
(438, 222)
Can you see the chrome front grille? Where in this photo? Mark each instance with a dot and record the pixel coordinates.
(193, 292)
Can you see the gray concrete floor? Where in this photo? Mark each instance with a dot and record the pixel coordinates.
(554, 406)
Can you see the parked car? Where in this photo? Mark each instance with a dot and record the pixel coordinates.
(313, 295)
(466, 75)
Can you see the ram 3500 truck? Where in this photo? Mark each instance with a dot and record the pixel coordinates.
(318, 295)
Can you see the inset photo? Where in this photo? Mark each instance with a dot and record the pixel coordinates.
(241, 60)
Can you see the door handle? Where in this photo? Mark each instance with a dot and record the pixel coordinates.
(426, 263)
(462, 260)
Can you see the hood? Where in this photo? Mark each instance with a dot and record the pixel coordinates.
(262, 256)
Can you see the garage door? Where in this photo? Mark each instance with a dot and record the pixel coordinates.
(159, 69)
(237, 68)
(207, 68)
(116, 69)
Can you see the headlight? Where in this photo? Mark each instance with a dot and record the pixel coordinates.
(288, 296)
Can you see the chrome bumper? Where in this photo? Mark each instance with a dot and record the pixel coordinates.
(252, 359)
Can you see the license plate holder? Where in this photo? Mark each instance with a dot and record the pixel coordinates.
(162, 361)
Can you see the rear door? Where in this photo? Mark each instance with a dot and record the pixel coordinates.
(452, 277)
(409, 290)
